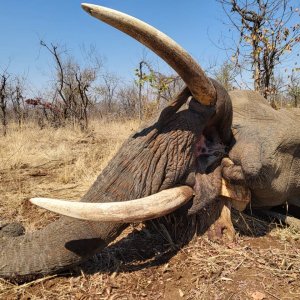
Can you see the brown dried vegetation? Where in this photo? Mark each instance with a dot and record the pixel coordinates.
(146, 262)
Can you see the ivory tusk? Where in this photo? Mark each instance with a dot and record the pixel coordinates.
(138, 210)
(239, 195)
(173, 54)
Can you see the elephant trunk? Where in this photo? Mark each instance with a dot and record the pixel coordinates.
(61, 244)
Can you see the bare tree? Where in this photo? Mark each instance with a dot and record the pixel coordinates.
(84, 79)
(226, 74)
(142, 77)
(294, 88)
(163, 87)
(108, 90)
(73, 85)
(173, 86)
(267, 34)
(128, 97)
(17, 99)
(4, 97)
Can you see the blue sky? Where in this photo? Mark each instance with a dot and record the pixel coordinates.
(195, 24)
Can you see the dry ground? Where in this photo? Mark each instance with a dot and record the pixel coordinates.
(263, 263)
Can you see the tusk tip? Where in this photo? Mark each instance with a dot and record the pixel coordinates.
(34, 201)
(87, 7)
(38, 201)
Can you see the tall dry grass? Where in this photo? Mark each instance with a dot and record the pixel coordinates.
(52, 162)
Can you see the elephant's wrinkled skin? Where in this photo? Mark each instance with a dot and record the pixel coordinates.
(265, 149)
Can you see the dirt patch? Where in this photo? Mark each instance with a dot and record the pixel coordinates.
(140, 266)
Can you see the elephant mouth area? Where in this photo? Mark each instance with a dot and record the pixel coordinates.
(206, 179)
(209, 152)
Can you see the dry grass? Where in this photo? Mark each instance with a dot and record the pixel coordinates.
(54, 162)
(145, 263)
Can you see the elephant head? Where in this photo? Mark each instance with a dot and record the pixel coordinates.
(158, 169)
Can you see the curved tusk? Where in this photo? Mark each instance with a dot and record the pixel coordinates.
(138, 210)
(173, 54)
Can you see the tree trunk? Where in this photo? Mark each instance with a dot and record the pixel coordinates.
(140, 91)
(4, 119)
(256, 77)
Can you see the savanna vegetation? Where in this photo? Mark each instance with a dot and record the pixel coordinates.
(54, 144)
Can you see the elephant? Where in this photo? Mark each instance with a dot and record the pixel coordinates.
(265, 150)
(175, 163)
